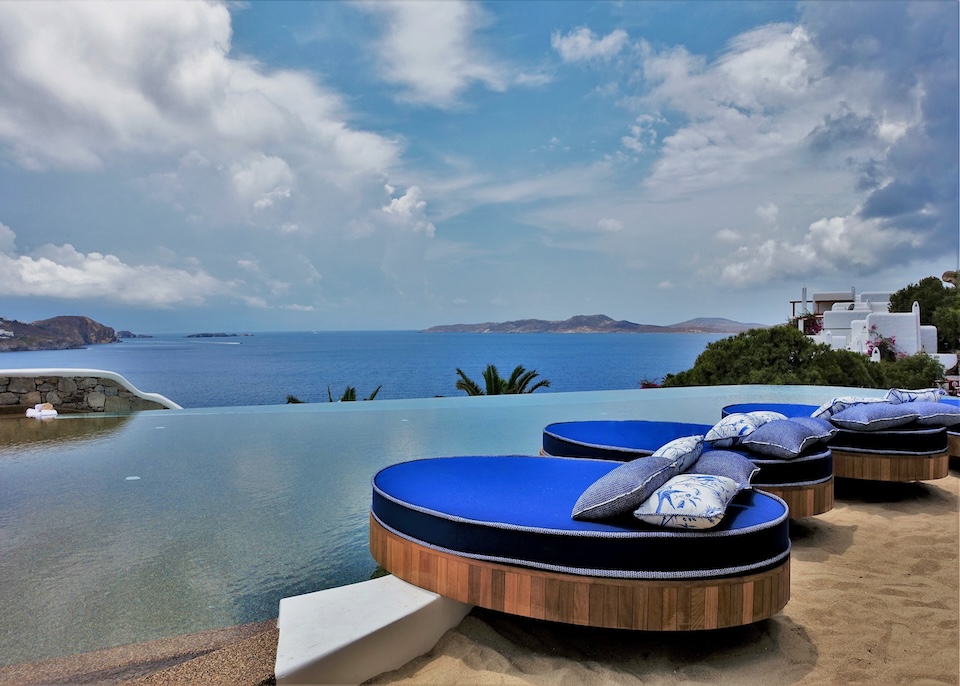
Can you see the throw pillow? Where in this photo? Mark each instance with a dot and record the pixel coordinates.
(875, 416)
(903, 395)
(930, 413)
(784, 439)
(730, 430)
(689, 501)
(832, 407)
(727, 463)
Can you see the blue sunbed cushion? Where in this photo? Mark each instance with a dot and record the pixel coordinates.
(516, 510)
(689, 501)
(621, 490)
(782, 438)
(931, 413)
(728, 464)
(904, 395)
(730, 430)
(875, 416)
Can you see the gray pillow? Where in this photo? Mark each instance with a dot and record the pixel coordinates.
(623, 490)
(875, 416)
(936, 413)
(783, 438)
(824, 429)
(726, 463)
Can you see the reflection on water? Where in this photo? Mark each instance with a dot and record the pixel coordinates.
(24, 431)
(115, 530)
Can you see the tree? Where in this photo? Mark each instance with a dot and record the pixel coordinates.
(947, 321)
(934, 297)
(519, 382)
(782, 355)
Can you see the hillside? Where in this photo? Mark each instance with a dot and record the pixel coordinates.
(56, 333)
(597, 323)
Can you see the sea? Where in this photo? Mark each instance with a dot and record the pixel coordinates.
(266, 368)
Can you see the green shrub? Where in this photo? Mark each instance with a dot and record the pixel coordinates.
(782, 355)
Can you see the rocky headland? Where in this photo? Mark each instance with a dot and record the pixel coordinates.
(598, 323)
(57, 333)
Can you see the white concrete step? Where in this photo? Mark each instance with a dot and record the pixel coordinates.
(349, 634)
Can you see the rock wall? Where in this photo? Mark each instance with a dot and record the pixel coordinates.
(72, 394)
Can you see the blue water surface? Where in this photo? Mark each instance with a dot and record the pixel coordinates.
(264, 368)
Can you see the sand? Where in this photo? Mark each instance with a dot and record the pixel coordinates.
(874, 600)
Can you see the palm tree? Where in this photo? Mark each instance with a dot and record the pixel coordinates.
(351, 394)
(519, 382)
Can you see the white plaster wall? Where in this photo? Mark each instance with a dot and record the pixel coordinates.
(902, 326)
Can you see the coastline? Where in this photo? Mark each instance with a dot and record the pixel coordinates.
(874, 600)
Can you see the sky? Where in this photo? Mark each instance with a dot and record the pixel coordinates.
(269, 166)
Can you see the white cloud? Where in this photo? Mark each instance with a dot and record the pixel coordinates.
(409, 210)
(262, 180)
(429, 51)
(832, 245)
(727, 235)
(665, 285)
(61, 272)
(582, 44)
(84, 81)
(8, 239)
(610, 225)
(768, 212)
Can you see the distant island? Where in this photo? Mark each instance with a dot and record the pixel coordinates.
(57, 333)
(130, 334)
(598, 323)
(216, 335)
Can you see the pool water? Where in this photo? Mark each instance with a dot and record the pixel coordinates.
(116, 530)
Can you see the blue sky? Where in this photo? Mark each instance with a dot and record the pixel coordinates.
(184, 166)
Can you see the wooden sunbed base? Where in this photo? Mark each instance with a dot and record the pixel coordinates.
(876, 467)
(676, 605)
(953, 444)
(804, 501)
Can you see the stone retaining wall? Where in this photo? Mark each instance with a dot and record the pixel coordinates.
(72, 394)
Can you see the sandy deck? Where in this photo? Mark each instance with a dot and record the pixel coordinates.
(875, 600)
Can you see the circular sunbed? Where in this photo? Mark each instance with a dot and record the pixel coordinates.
(953, 435)
(497, 532)
(906, 453)
(805, 483)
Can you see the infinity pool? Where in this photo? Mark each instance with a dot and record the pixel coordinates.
(116, 530)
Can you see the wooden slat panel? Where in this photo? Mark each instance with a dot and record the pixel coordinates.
(875, 467)
(614, 603)
(804, 501)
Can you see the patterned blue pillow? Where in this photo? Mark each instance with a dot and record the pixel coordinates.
(875, 416)
(784, 439)
(689, 501)
(726, 463)
(730, 430)
(936, 413)
(623, 489)
(904, 395)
